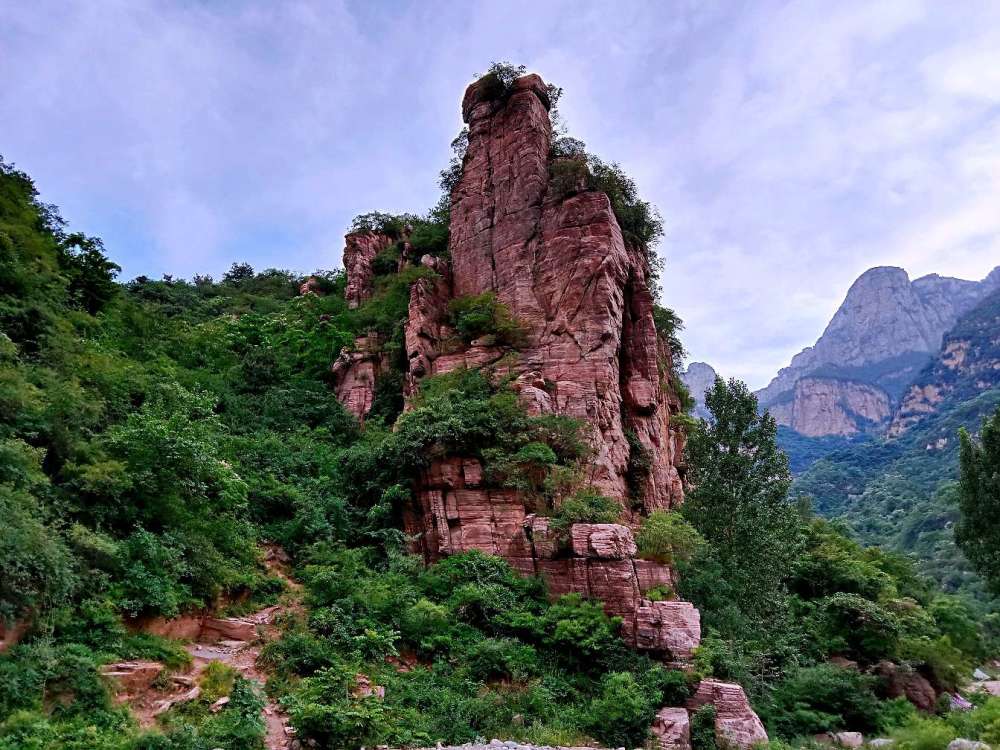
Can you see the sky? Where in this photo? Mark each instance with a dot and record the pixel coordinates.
(789, 146)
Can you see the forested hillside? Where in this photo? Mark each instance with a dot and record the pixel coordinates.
(899, 491)
(156, 434)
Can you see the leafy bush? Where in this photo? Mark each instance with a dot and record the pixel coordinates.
(38, 571)
(703, 728)
(391, 225)
(478, 315)
(667, 538)
(585, 506)
(825, 698)
(622, 713)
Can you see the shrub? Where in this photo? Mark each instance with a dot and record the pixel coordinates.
(477, 315)
(388, 224)
(38, 571)
(924, 733)
(386, 261)
(501, 658)
(703, 728)
(667, 538)
(323, 709)
(622, 712)
(640, 223)
(859, 627)
(825, 698)
(639, 463)
(585, 506)
(427, 624)
(216, 681)
(430, 238)
(578, 631)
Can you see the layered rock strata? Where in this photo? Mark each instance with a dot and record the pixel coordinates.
(360, 249)
(582, 296)
(736, 724)
(580, 291)
(455, 512)
(354, 374)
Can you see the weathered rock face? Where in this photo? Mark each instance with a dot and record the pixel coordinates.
(564, 270)
(828, 406)
(456, 513)
(885, 331)
(672, 729)
(355, 372)
(899, 682)
(582, 295)
(360, 250)
(967, 364)
(736, 724)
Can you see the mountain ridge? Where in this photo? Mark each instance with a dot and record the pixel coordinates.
(882, 335)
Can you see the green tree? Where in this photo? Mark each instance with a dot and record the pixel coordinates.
(978, 529)
(739, 482)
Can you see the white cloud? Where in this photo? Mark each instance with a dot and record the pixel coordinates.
(789, 145)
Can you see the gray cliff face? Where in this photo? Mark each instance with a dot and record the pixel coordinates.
(698, 378)
(884, 332)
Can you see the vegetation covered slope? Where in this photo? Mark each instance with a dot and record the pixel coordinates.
(900, 492)
(153, 434)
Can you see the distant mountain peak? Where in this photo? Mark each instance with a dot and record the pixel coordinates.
(699, 377)
(884, 332)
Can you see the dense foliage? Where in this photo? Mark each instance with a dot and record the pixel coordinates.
(978, 529)
(781, 592)
(901, 493)
(465, 648)
(153, 434)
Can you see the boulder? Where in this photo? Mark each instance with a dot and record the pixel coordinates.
(736, 723)
(901, 682)
(988, 686)
(669, 628)
(608, 541)
(672, 729)
(964, 744)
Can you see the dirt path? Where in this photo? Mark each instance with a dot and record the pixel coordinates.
(234, 641)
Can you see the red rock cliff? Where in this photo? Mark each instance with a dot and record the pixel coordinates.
(565, 271)
(582, 294)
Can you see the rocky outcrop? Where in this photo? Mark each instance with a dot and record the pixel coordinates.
(354, 373)
(828, 406)
(672, 729)
(203, 627)
(360, 249)
(736, 724)
(559, 262)
(455, 512)
(886, 330)
(967, 364)
(581, 293)
(900, 682)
